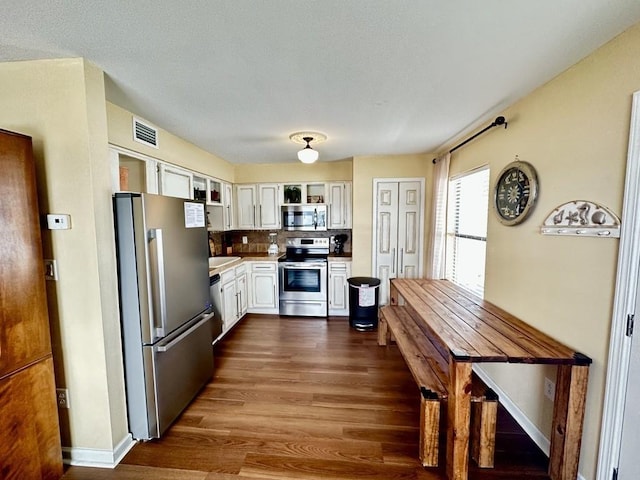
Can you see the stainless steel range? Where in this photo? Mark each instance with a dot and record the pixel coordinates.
(303, 277)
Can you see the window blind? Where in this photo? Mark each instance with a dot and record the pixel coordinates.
(467, 229)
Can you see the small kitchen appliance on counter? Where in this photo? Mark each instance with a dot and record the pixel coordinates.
(273, 244)
(338, 243)
(303, 277)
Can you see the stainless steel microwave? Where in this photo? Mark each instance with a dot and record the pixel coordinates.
(305, 217)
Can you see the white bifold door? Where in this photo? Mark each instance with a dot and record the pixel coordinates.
(399, 232)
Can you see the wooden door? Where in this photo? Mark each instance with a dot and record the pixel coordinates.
(29, 433)
(24, 322)
(30, 439)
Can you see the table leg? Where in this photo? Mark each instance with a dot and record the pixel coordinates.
(568, 415)
(459, 416)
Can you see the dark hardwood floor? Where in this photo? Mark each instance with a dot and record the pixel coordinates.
(305, 399)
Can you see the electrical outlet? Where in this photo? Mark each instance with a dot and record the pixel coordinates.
(549, 389)
(50, 270)
(245, 240)
(62, 395)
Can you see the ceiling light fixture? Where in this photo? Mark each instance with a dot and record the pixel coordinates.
(307, 154)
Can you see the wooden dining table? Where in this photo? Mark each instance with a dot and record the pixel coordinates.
(471, 330)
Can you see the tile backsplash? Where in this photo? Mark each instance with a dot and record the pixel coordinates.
(258, 241)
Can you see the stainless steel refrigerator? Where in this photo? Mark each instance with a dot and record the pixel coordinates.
(165, 306)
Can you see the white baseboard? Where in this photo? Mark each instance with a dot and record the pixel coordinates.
(90, 457)
(518, 415)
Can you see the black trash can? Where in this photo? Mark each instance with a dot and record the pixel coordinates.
(363, 302)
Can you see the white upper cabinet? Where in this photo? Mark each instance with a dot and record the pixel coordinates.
(269, 206)
(257, 206)
(228, 207)
(131, 172)
(175, 181)
(340, 207)
(245, 206)
(219, 205)
(303, 192)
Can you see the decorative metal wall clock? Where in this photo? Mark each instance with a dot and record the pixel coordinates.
(515, 192)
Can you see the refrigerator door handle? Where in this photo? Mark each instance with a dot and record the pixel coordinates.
(156, 234)
(168, 346)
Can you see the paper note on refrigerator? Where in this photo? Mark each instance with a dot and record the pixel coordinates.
(194, 215)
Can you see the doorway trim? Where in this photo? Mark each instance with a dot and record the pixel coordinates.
(628, 271)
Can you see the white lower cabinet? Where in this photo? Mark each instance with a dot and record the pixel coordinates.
(233, 285)
(263, 287)
(242, 290)
(339, 272)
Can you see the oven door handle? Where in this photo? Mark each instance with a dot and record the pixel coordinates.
(306, 266)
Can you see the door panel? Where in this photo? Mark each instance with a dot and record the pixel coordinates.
(409, 213)
(387, 237)
(263, 291)
(30, 440)
(629, 466)
(24, 321)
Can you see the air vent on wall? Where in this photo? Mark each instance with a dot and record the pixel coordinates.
(145, 133)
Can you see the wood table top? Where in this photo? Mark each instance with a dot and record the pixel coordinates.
(475, 330)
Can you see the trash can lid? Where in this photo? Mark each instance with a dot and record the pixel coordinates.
(360, 281)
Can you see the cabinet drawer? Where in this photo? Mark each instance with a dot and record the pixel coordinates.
(264, 267)
(240, 269)
(228, 276)
(338, 266)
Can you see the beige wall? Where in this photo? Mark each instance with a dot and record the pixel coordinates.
(171, 149)
(365, 169)
(60, 104)
(574, 130)
(294, 172)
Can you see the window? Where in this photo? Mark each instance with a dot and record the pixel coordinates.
(467, 229)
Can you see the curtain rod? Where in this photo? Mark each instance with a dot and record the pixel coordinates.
(498, 121)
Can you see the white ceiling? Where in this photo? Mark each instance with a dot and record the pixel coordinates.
(376, 76)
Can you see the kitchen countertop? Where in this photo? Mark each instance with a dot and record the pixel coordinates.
(339, 257)
(249, 257)
(265, 257)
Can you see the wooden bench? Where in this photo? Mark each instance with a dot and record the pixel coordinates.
(428, 365)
